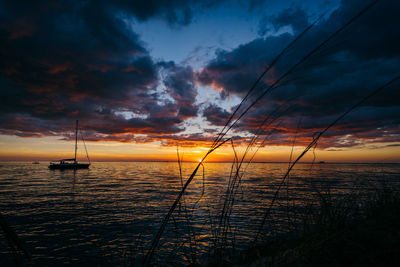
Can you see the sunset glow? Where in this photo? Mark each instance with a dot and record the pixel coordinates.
(152, 85)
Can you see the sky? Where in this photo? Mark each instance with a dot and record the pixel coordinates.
(145, 78)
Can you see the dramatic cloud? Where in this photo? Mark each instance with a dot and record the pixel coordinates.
(67, 60)
(180, 84)
(63, 61)
(173, 11)
(295, 17)
(216, 115)
(359, 60)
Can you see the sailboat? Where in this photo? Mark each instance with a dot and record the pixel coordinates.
(71, 163)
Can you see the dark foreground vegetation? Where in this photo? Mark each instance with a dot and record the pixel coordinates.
(336, 233)
(327, 223)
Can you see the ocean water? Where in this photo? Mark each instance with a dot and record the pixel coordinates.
(109, 213)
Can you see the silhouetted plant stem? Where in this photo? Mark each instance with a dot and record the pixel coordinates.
(314, 142)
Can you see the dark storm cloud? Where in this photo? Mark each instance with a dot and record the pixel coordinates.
(359, 60)
(216, 115)
(67, 60)
(175, 12)
(236, 70)
(180, 84)
(296, 17)
(64, 60)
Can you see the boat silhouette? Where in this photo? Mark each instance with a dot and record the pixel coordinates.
(71, 163)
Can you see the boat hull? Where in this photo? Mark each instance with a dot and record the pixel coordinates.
(73, 166)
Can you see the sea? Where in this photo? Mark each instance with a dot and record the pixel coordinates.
(110, 213)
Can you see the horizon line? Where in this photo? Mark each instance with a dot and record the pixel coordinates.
(190, 161)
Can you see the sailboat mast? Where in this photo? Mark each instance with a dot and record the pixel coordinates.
(76, 138)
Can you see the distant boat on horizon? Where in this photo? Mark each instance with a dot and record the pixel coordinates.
(71, 163)
(35, 162)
